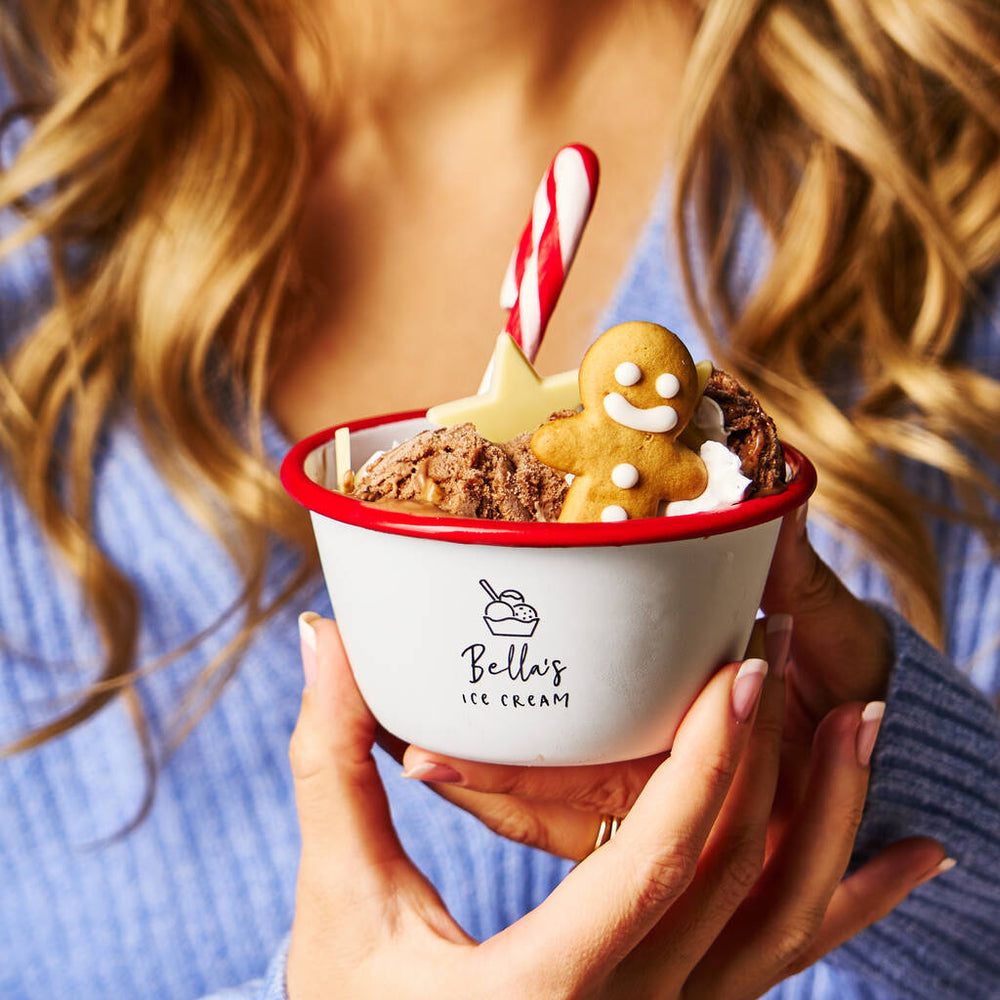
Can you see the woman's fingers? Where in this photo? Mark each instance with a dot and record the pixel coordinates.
(734, 854)
(871, 892)
(817, 845)
(557, 809)
(600, 788)
(841, 644)
(341, 803)
(357, 891)
(783, 916)
(352, 862)
(563, 830)
(612, 899)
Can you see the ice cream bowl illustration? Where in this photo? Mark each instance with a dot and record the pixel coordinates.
(534, 643)
(507, 614)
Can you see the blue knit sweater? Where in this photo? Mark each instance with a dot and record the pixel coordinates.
(198, 899)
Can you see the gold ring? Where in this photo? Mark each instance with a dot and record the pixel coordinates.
(608, 828)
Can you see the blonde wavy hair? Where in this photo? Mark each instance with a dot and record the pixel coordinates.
(873, 161)
(169, 154)
(864, 132)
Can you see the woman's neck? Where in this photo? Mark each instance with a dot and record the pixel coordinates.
(447, 114)
(405, 56)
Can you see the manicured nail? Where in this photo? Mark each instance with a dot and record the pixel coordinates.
(746, 688)
(944, 865)
(430, 770)
(778, 641)
(308, 635)
(871, 719)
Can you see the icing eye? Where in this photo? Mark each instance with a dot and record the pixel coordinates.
(668, 385)
(628, 373)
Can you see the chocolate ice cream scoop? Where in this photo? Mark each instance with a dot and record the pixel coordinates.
(458, 471)
(538, 486)
(751, 434)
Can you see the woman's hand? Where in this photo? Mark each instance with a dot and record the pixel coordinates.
(633, 919)
(841, 648)
(840, 651)
(799, 908)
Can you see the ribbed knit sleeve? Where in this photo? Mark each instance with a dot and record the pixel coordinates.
(935, 772)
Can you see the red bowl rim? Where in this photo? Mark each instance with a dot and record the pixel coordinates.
(533, 534)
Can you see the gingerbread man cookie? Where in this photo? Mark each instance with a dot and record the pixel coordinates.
(639, 388)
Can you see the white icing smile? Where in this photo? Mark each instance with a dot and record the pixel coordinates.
(656, 419)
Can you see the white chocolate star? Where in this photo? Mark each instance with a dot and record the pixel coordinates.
(518, 398)
(704, 369)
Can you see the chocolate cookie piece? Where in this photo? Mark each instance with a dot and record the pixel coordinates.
(454, 468)
(751, 434)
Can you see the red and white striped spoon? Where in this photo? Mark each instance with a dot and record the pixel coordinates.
(542, 258)
(541, 261)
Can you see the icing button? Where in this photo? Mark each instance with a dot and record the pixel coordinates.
(625, 476)
(668, 385)
(614, 513)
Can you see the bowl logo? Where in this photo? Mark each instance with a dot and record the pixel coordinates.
(506, 613)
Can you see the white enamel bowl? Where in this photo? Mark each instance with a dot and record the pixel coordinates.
(534, 643)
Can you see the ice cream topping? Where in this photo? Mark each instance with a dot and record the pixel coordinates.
(639, 431)
(656, 419)
(580, 466)
(630, 428)
(518, 397)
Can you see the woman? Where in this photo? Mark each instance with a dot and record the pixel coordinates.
(245, 204)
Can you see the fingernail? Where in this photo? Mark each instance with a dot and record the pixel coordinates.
(944, 865)
(746, 688)
(432, 771)
(308, 636)
(778, 641)
(871, 719)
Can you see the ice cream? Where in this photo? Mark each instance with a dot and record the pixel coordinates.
(750, 434)
(456, 471)
(528, 642)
